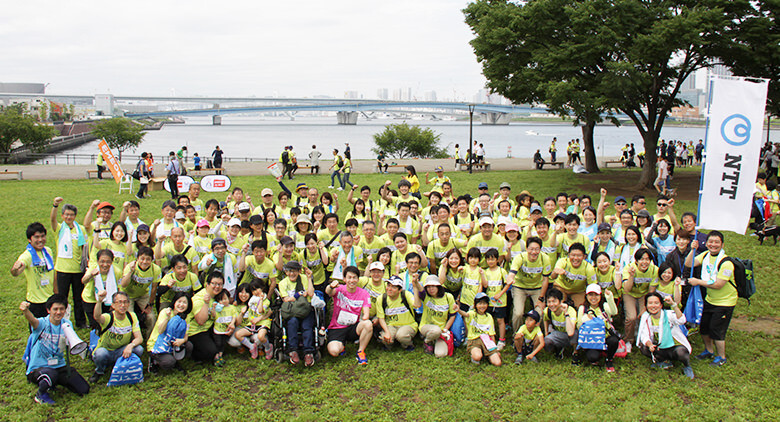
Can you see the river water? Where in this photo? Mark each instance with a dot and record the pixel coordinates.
(264, 137)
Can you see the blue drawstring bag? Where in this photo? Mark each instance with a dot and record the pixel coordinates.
(458, 330)
(694, 306)
(592, 335)
(176, 329)
(93, 341)
(127, 371)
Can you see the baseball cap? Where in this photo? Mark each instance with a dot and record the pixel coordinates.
(395, 281)
(502, 219)
(234, 222)
(620, 198)
(432, 280)
(179, 215)
(202, 223)
(300, 186)
(144, 228)
(482, 185)
(266, 192)
(535, 208)
(593, 288)
(559, 216)
(604, 227)
(105, 204)
(244, 207)
(533, 314)
(481, 296)
(643, 213)
(438, 168)
(485, 220)
(292, 265)
(512, 227)
(256, 219)
(286, 240)
(376, 265)
(505, 185)
(218, 241)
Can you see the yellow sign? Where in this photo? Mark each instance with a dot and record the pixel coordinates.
(111, 162)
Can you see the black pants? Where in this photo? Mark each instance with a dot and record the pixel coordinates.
(220, 340)
(315, 169)
(72, 282)
(89, 309)
(100, 169)
(167, 361)
(218, 164)
(173, 183)
(203, 347)
(288, 170)
(593, 355)
(47, 378)
(678, 353)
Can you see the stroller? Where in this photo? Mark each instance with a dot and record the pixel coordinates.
(760, 213)
(279, 332)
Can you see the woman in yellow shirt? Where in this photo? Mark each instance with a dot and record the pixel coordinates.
(411, 177)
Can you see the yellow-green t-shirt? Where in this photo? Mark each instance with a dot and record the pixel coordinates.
(495, 242)
(558, 321)
(396, 313)
(495, 278)
(607, 281)
(73, 264)
(121, 332)
(530, 274)
(256, 309)
(436, 251)
(197, 305)
(574, 280)
(188, 285)
(374, 291)
(40, 283)
(263, 271)
(642, 279)
(727, 295)
(565, 242)
(529, 336)
(223, 319)
(437, 310)
(471, 285)
(477, 325)
(169, 251)
(141, 281)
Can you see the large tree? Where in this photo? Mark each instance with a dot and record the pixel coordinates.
(120, 133)
(538, 53)
(405, 141)
(15, 125)
(637, 52)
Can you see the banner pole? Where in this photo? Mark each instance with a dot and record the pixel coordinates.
(704, 152)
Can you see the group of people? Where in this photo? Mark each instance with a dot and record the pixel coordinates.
(488, 269)
(572, 152)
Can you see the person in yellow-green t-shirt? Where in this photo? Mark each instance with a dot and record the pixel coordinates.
(572, 274)
(396, 315)
(637, 279)
(37, 265)
(438, 315)
(480, 331)
(560, 324)
(163, 356)
(140, 281)
(717, 276)
(120, 334)
(529, 340)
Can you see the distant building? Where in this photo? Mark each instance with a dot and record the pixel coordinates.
(22, 88)
(104, 104)
(430, 95)
(382, 94)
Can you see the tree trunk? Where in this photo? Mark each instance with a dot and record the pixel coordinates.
(590, 152)
(647, 177)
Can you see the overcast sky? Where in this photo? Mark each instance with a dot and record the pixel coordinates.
(285, 48)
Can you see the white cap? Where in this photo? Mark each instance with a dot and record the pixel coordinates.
(396, 281)
(432, 280)
(485, 220)
(244, 206)
(593, 288)
(179, 216)
(234, 222)
(502, 219)
(376, 265)
(266, 191)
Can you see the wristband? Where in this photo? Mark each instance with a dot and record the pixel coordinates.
(54, 206)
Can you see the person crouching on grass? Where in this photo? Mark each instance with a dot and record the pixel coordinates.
(529, 340)
(481, 332)
(660, 336)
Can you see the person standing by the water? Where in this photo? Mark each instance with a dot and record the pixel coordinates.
(217, 158)
(553, 150)
(284, 159)
(314, 160)
(100, 166)
(174, 169)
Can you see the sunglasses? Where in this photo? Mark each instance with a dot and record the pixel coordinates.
(663, 205)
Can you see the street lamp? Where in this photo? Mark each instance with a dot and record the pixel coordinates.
(471, 133)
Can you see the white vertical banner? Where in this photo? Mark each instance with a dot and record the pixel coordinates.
(732, 148)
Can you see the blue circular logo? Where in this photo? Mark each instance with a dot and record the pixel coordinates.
(735, 130)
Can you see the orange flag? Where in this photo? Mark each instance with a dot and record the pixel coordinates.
(111, 161)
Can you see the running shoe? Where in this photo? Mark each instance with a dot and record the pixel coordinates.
(409, 348)
(500, 345)
(534, 359)
(519, 359)
(294, 359)
(44, 399)
(308, 360)
(688, 371)
(330, 187)
(428, 348)
(719, 361)
(610, 367)
(361, 357)
(253, 351)
(665, 365)
(706, 354)
(95, 378)
(269, 352)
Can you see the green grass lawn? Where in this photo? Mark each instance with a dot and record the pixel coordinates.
(399, 385)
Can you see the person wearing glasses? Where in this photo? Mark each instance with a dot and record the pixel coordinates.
(120, 333)
(201, 320)
(638, 203)
(665, 212)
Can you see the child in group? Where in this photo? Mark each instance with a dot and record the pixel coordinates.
(225, 316)
(473, 279)
(481, 331)
(496, 289)
(560, 324)
(529, 340)
(256, 318)
(451, 272)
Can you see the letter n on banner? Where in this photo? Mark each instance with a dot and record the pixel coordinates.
(111, 161)
(732, 149)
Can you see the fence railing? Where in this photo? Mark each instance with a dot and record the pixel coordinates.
(76, 159)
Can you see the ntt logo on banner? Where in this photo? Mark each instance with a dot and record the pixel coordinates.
(215, 183)
(735, 130)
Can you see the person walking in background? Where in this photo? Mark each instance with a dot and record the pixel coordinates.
(553, 149)
(174, 169)
(346, 170)
(180, 154)
(293, 162)
(150, 164)
(457, 155)
(338, 163)
(217, 158)
(143, 176)
(284, 160)
(314, 160)
(100, 167)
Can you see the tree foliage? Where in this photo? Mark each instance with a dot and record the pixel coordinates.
(405, 141)
(633, 55)
(120, 133)
(15, 125)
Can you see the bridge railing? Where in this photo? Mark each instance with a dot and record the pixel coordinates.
(83, 159)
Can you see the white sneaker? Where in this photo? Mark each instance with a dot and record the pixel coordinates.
(339, 188)
(330, 187)
(500, 345)
(628, 347)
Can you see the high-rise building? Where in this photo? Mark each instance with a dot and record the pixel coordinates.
(382, 94)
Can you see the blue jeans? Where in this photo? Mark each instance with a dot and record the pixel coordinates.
(337, 175)
(104, 358)
(306, 326)
(346, 180)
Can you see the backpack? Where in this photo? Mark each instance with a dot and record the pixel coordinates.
(743, 276)
(285, 157)
(339, 162)
(403, 300)
(111, 322)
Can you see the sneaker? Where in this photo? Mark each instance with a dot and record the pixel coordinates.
(665, 365)
(610, 367)
(575, 359)
(253, 351)
(519, 359)
(628, 348)
(500, 345)
(44, 399)
(688, 372)
(534, 360)
(718, 361)
(361, 357)
(95, 377)
(409, 348)
(339, 188)
(655, 365)
(269, 352)
(294, 359)
(330, 187)
(428, 348)
(219, 362)
(475, 362)
(308, 360)
(706, 354)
